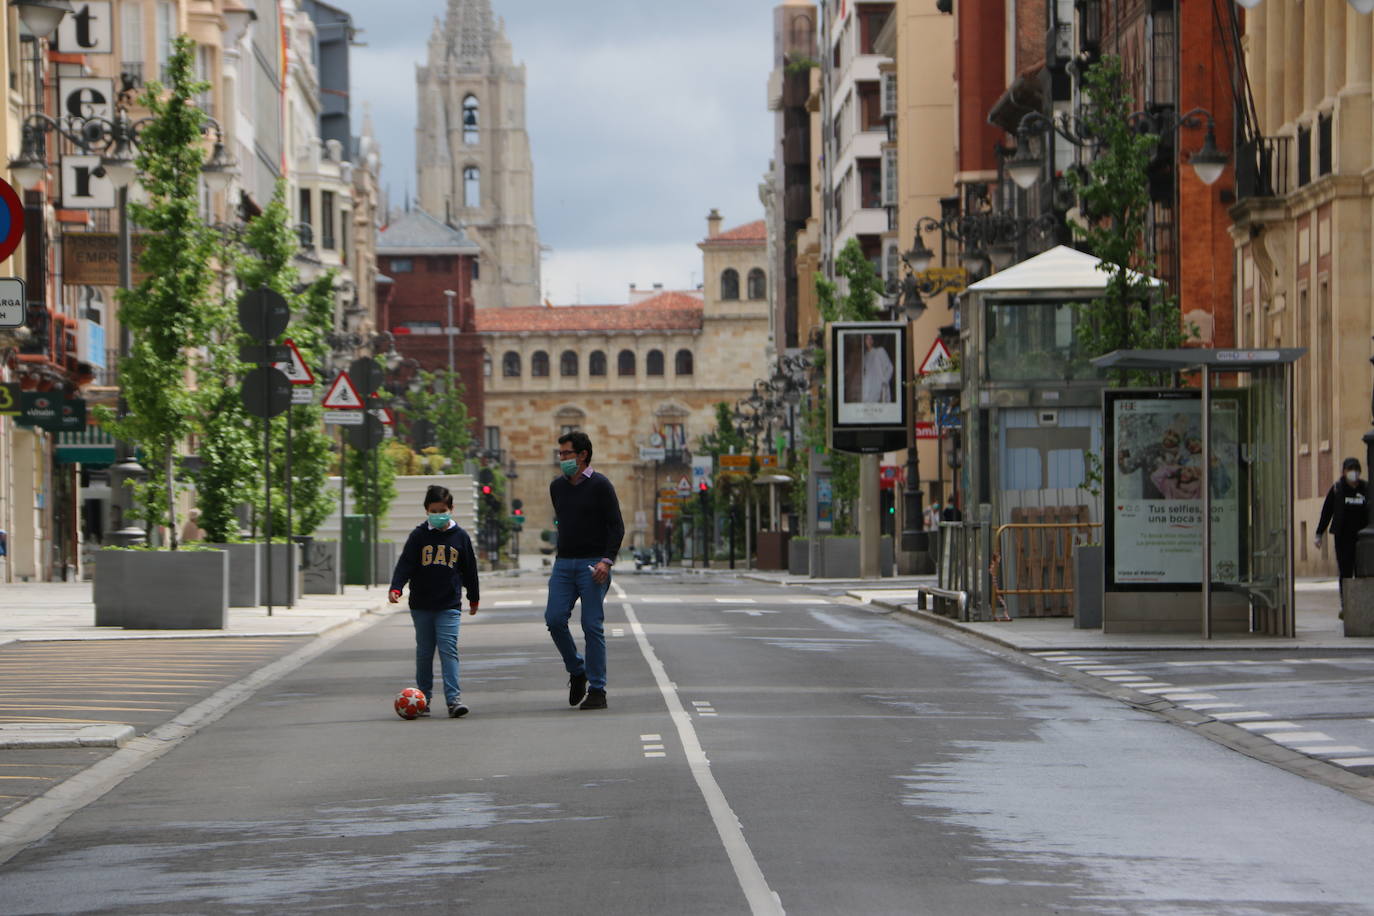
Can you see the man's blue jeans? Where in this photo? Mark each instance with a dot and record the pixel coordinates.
(572, 580)
(437, 629)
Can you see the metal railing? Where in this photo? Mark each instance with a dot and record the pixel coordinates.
(961, 569)
(1262, 167)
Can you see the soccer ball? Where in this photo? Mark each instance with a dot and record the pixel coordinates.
(410, 703)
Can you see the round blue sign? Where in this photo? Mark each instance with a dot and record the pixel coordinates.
(11, 219)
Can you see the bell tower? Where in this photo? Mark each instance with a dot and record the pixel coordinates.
(472, 150)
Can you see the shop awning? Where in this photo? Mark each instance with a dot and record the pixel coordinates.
(91, 445)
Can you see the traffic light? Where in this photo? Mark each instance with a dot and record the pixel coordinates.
(486, 489)
(703, 487)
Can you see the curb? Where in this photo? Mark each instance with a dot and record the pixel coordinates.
(1226, 734)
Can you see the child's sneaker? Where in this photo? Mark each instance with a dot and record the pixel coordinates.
(457, 711)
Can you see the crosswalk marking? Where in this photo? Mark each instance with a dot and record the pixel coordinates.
(1353, 761)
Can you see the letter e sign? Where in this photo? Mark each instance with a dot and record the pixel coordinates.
(87, 30)
(87, 98)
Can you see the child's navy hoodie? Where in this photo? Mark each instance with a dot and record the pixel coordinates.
(437, 564)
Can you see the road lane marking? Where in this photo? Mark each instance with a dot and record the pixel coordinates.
(809, 601)
(1353, 761)
(650, 737)
(512, 604)
(752, 612)
(1327, 749)
(737, 601)
(654, 754)
(1291, 738)
(1177, 695)
(1208, 707)
(1267, 726)
(761, 898)
(617, 631)
(1233, 716)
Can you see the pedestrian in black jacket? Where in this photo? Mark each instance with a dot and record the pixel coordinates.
(590, 529)
(1345, 512)
(438, 562)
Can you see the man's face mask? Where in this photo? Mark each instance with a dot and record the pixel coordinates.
(568, 466)
(1352, 476)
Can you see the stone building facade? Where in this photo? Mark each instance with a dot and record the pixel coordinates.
(624, 374)
(472, 151)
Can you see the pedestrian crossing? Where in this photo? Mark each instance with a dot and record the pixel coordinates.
(1287, 734)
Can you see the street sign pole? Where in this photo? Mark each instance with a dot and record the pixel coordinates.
(290, 560)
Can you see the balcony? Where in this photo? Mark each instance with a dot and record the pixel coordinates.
(1262, 167)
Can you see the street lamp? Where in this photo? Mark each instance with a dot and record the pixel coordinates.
(449, 296)
(1208, 163)
(41, 17)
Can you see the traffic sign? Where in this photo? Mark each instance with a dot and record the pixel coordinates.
(741, 462)
(366, 375)
(263, 353)
(684, 487)
(344, 417)
(265, 392)
(294, 365)
(263, 313)
(13, 303)
(384, 415)
(11, 223)
(302, 395)
(368, 435)
(937, 360)
(342, 394)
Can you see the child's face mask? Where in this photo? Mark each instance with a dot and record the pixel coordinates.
(439, 520)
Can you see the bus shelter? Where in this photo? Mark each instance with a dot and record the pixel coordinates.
(1198, 494)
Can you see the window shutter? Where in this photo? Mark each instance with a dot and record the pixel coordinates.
(889, 178)
(889, 100)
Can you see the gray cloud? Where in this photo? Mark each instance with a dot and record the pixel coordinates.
(642, 116)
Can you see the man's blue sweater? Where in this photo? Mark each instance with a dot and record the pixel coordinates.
(588, 517)
(437, 564)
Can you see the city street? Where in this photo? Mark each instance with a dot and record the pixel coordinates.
(766, 749)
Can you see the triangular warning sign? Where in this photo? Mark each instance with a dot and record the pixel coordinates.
(296, 369)
(385, 415)
(937, 360)
(343, 395)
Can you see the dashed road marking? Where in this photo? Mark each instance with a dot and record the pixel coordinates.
(737, 601)
(1353, 761)
(1292, 738)
(617, 631)
(704, 707)
(1274, 726)
(752, 612)
(1326, 749)
(1248, 714)
(809, 601)
(526, 603)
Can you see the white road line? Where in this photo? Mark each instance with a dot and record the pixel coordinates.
(761, 897)
(1103, 672)
(1170, 688)
(1292, 738)
(1267, 726)
(1326, 749)
(1189, 696)
(650, 737)
(654, 754)
(655, 600)
(617, 631)
(748, 610)
(1233, 716)
(653, 747)
(809, 601)
(1129, 678)
(701, 702)
(1353, 761)
(1049, 654)
(512, 604)
(1208, 707)
(736, 601)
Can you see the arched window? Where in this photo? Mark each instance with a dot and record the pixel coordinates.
(625, 362)
(653, 363)
(470, 120)
(729, 284)
(567, 364)
(539, 364)
(486, 365)
(758, 284)
(596, 363)
(472, 187)
(510, 364)
(803, 35)
(682, 363)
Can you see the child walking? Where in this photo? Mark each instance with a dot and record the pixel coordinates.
(438, 562)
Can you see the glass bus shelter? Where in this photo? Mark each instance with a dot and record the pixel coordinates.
(1198, 494)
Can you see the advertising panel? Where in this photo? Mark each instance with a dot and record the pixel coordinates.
(1154, 488)
(868, 362)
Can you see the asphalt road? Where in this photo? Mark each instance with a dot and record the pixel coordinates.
(765, 750)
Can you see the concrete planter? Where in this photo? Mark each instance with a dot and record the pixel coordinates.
(840, 558)
(1358, 604)
(286, 560)
(799, 556)
(245, 585)
(1089, 579)
(385, 564)
(324, 568)
(161, 589)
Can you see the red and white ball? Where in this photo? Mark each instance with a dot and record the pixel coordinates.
(410, 703)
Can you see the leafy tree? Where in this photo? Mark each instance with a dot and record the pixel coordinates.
(168, 312)
(372, 478)
(729, 489)
(1114, 188)
(439, 401)
(270, 248)
(854, 298)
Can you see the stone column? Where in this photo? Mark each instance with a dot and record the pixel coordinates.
(1274, 116)
(1353, 99)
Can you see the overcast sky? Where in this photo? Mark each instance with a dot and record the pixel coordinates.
(642, 116)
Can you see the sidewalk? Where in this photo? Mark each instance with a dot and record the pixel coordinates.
(1318, 602)
(64, 610)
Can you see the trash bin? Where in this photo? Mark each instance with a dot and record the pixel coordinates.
(355, 529)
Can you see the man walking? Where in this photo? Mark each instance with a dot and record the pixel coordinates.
(590, 529)
(1345, 511)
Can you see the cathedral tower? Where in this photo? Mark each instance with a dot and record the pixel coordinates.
(472, 152)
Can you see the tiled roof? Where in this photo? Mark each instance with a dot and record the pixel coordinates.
(749, 233)
(670, 311)
(416, 232)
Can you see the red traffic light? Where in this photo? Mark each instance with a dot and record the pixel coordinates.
(486, 489)
(702, 487)
(518, 511)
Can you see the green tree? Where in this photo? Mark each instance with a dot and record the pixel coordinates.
(371, 475)
(729, 490)
(853, 298)
(1132, 312)
(270, 247)
(168, 313)
(439, 400)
